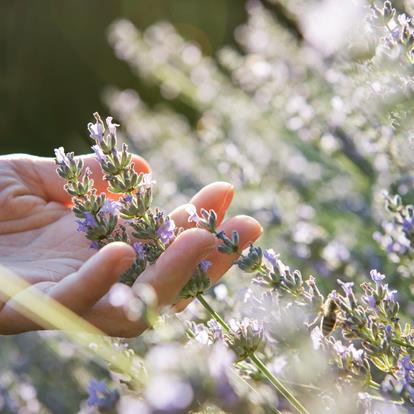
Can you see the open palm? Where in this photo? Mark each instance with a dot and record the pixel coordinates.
(39, 242)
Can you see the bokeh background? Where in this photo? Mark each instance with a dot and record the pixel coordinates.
(310, 124)
(55, 61)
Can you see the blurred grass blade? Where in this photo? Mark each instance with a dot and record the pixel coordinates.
(49, 314)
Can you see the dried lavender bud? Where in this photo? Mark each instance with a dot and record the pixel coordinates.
(199, 282)
(245, 337)
(229, 246)
(252, 262)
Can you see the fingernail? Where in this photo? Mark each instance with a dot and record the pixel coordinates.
(228, 197)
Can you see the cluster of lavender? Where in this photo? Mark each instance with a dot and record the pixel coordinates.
(153, 231)
(336, 112)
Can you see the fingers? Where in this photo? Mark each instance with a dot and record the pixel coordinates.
(50, 184)
(249, 231)
(167, 276)
(176, 265)
(82, 289)
(216, 196)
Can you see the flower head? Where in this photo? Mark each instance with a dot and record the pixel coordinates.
(96, 131)
(111, 126)
(110, 207)
(101, 396)
(347, 287)
(192, 213)
(271, 256)
(205, 265)
(139, 249)
(376, 276)
(100, 156)
(166, 232)
(61, 157)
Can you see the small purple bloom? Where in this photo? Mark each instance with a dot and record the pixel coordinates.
(408, 224)
(111, 126)
(110, 207)
(147, 181)
(215, 329)
(390, 295)
(205, 265)
(346, 286)
(192, 213)
(101, 396)
(388, 330)
(167, 231)
(61, 156)
(370, 300)
(376, 276)
(96, 131)
(139, 249)
(99, 153)
(82, 226)
(271, 256)
(128, 198)
(90, 220)
(94, 245)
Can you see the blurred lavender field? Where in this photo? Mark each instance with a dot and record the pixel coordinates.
(309, 114)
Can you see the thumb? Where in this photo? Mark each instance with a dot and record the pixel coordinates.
(82, 289)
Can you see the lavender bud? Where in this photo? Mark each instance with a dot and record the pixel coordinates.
(245, 338)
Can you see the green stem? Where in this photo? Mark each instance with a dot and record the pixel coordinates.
(278, 385)
(402, 343)
(259, 364)
(213, 313)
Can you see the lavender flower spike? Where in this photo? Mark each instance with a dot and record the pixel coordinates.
(111, 126)
(271, 256)
(205, 265)
(376, 276)
(99, 153)
(167, 231)
(346, 286)
(96, 131)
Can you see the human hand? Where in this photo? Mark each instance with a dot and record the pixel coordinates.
(39, 242)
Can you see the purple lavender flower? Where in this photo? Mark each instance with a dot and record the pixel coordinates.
(205, 265)
(408, 224)
(271, 256)
(99, 153)
(390, 295)
(166, 232)
(101, 396)
(346, 286)
(111, 126)
(87, 223)
(94, 245)
(388, 330)
(370, 300)
(96, 131)
(215, 329)
(192, 213)
(61, 157)
(147, 181)
(110, 207)
(139, 249)
(82, 226)
(376, 276)
(90, 219)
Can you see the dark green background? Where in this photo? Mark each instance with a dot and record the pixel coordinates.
(55, 61)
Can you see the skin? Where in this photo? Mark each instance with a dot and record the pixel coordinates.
(39, 242)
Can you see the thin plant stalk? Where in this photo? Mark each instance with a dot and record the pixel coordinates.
(257, 362)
